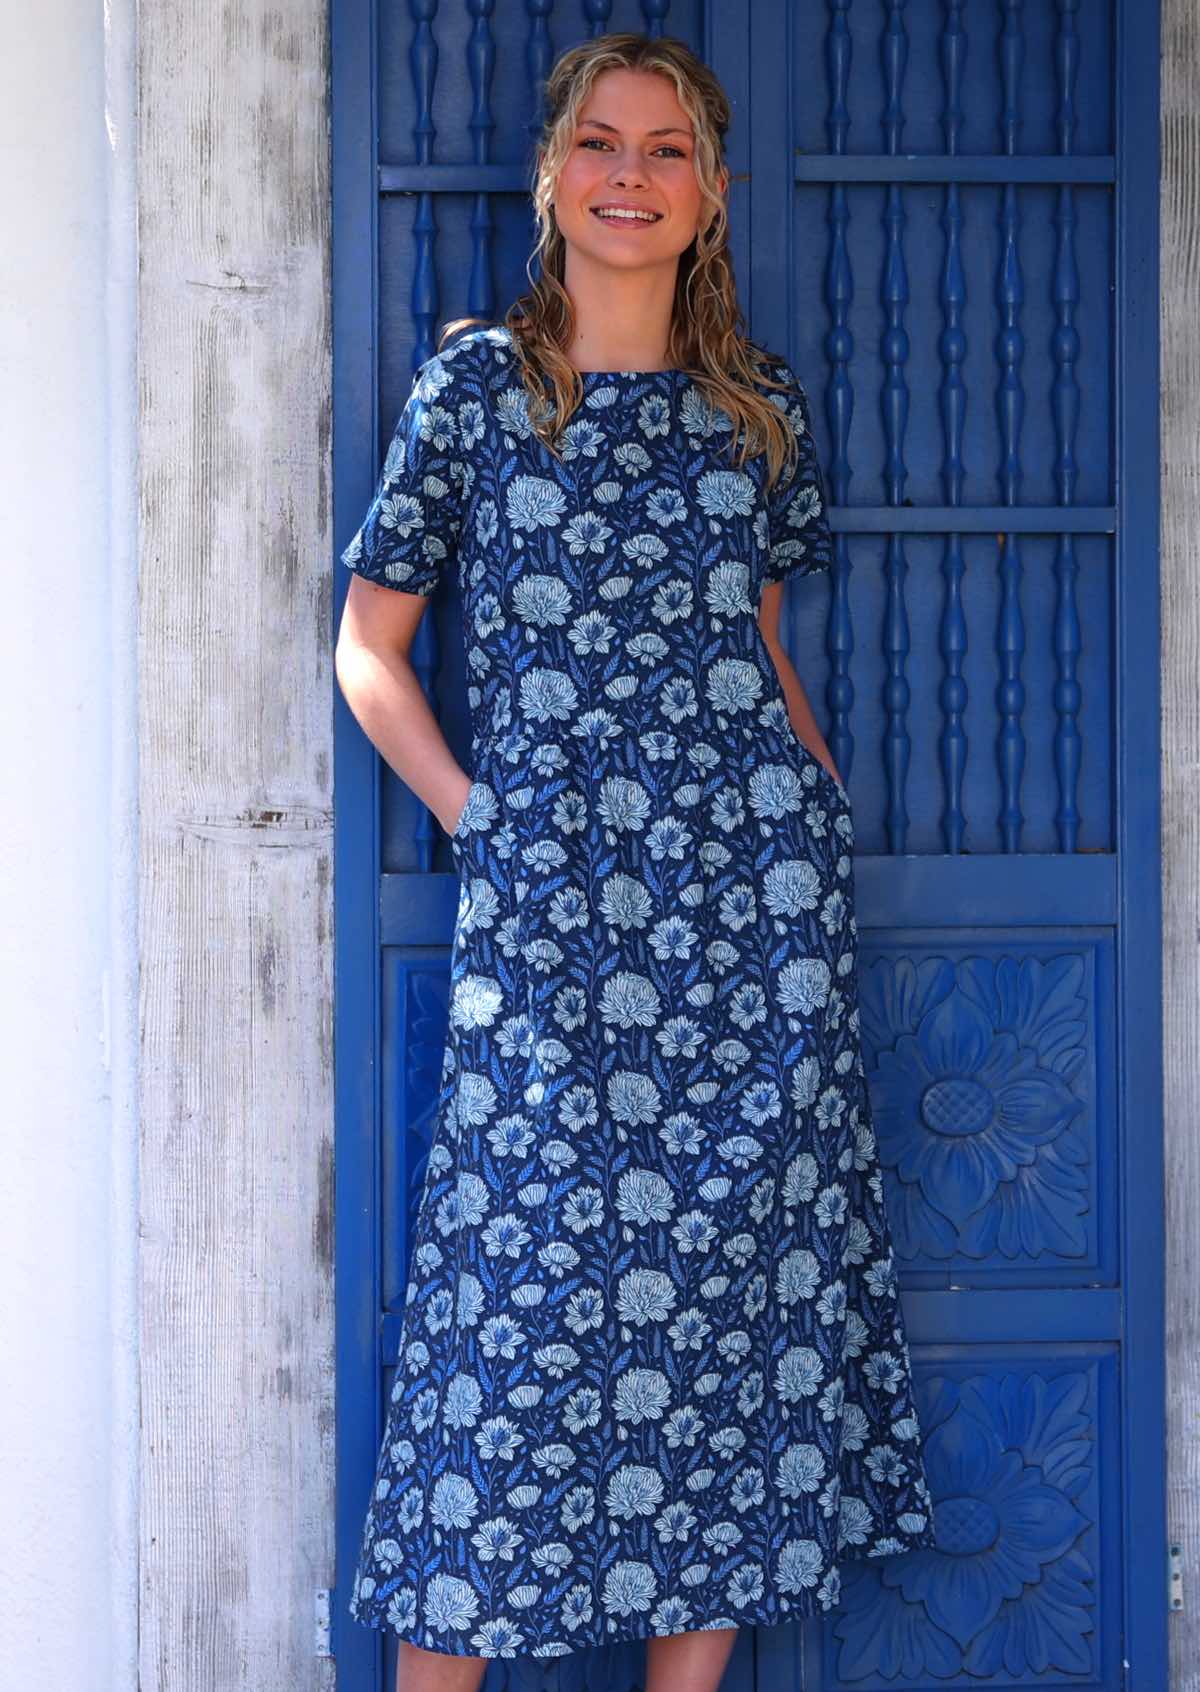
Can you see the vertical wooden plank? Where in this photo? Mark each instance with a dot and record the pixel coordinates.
(1011, 637)
(954, 626)
(894, 402)
(765, 286)
(1180, 423)
(726, 48)
(1068, 694)
(837, 398)
(235, 891)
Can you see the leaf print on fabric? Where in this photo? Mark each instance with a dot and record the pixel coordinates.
(798, 537)
(651, 1374)
(411, 528)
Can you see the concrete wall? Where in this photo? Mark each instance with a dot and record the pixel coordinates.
(68, 1217)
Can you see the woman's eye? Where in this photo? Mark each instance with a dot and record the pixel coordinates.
(599, 141)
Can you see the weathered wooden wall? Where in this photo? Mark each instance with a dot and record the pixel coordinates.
(1181, 796)
(235, 872)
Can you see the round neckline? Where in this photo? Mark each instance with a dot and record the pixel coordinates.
(614, 375)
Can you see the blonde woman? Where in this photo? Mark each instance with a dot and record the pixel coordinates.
(653, 1381)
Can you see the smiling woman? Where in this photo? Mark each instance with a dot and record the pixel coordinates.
(653, 1378)
(630, 173)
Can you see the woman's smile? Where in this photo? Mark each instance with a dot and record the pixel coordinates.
(620, 214)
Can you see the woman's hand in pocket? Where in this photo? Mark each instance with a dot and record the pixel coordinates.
(452, 826)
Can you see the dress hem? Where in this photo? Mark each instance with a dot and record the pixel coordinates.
(804, 1607)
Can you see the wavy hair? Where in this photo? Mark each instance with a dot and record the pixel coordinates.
(706, 337)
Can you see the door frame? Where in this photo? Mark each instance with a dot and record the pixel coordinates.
(737, 54)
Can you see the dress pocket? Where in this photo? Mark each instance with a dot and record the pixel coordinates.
(459, 832)
(477, 821)
(831, 783)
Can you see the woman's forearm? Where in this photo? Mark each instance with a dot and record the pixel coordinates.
(383, 692)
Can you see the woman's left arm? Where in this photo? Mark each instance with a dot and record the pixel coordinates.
(799, 710)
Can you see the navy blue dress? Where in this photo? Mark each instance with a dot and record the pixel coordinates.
(653, 1375)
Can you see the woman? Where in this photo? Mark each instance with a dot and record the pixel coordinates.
(654, 1380)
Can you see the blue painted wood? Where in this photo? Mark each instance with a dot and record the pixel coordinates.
(1068, 695)
(1021, 716)
(973, 309)
(1025, 1453)
(973, 520)
(952, 344)
(1010, 403)
(1136, 661)
(913, 168)
(357, 1398)
(839, 345)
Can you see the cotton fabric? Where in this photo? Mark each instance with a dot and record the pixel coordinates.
(653, 1374)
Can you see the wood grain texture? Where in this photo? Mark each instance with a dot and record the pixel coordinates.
(1180, 206)
(237, 1458)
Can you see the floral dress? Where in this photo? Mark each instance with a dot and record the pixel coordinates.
(653, 1374)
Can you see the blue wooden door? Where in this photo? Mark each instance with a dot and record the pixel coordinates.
(945, 214)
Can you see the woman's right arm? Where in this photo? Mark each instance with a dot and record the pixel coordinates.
(383, 691)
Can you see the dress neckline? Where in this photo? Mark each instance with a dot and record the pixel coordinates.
(628, 375)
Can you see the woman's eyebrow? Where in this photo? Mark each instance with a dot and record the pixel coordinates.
(596, 124)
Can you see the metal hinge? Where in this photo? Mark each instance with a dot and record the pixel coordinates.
(1175, 1577)
(324, 1627)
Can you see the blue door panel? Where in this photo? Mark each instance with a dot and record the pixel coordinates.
(847, 56)
(945, 215)
(848, 663)
(989, 1062)
(414, 1019)
(895, 246)
(1024, 1442)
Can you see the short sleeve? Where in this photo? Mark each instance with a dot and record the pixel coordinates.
(798, 537)
(410, 532)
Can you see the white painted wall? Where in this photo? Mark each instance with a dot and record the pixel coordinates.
(68, 1415)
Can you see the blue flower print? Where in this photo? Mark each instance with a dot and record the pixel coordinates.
(652, 1374)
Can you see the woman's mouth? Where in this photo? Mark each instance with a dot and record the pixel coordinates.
(619, 217)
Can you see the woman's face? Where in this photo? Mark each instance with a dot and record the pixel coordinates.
(632, 148)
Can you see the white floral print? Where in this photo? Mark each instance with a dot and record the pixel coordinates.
(653, 1374)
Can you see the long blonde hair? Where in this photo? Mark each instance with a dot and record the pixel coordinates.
(707, 336)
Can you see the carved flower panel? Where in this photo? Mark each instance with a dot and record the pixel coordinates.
(983, 1072)
(1013, 1593)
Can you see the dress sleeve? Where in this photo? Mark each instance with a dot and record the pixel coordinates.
(798, 537)
(410, 531)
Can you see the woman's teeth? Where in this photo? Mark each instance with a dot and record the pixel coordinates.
(627, 216)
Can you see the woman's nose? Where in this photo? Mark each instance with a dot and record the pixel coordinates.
(625, 171)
